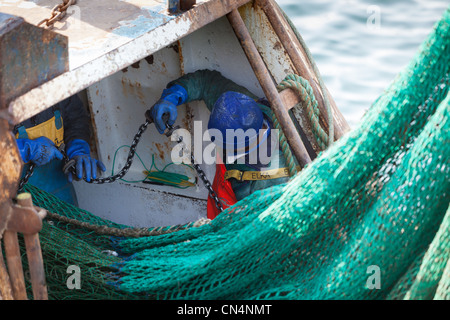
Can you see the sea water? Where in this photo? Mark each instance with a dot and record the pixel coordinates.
(360, 46)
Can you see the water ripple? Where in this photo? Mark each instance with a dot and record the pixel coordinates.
(360, 46)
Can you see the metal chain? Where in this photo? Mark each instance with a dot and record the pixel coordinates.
(58, 12)
(26, 177)
(70, 164)
(207, 184)
(70, 167)
(30, 170)
(202, 175)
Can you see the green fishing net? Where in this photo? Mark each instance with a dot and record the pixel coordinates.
(368, 219)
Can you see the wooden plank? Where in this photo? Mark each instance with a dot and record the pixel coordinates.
(304, 67)
(15, 268)
(5, 284)
(34, 255)
(10, 170)
(295, 143)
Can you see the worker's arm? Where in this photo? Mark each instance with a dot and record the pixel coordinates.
(75, 119)
(203, 85)
(208, 85)
(76, 137)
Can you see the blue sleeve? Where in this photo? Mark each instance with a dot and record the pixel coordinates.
(75, 118)
(208, 85)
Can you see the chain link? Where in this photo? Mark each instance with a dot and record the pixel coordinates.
(207, 184)
(58, 12)
(202, 176)
(70, 164)
(26, 177)
(70, 167)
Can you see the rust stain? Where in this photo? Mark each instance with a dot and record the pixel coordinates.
(132, 88)
(175, 47)
(277, 46)
(94, 136)
(10, 167)
(149, 59)
(124, 86)
(160, 149)
(139, 92)
(181, 62)
(180, 56)
(185, 121)
(136, 65)
(47, 37)
(89, 100)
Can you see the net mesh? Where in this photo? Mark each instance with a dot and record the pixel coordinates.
(368, 219)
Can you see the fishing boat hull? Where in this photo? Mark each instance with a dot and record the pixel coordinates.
(119, 85)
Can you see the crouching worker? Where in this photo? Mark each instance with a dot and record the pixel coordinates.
(243, 170)
(41, 139)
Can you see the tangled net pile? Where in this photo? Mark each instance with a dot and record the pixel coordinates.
(377, 197)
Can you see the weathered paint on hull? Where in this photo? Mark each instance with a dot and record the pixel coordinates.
(123, 83)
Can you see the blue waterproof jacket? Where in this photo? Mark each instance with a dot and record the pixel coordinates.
(208, 85)
(75, 118)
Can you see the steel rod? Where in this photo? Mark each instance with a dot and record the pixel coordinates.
(293, 47)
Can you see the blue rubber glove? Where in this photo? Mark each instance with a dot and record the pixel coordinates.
(79, 150)
(170, 99)
(39, 151)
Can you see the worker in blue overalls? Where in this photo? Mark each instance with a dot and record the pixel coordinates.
(232, 107)
(39, 139)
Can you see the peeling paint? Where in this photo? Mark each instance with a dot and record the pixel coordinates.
(136, 27)
(107, 57)
(149, 59)
(175, 47)
(161, 150)
(266, 41)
